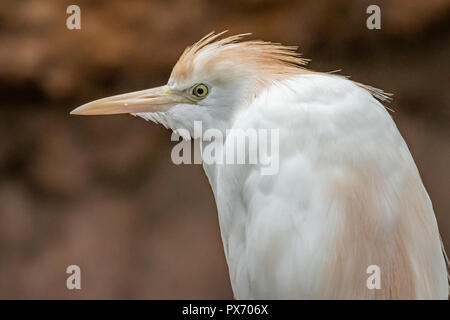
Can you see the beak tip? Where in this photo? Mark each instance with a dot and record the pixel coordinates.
(79, 111)
(74, 112)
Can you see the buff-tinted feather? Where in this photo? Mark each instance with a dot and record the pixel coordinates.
(268, 62)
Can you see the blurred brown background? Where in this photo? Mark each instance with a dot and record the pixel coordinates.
(102, 192)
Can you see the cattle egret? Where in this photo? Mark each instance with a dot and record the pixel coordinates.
(347, 197)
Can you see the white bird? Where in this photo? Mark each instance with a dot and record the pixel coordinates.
(347, 194)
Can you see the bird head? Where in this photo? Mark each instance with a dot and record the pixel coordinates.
(212, 80)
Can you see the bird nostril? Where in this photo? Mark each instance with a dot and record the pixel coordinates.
(149, 97)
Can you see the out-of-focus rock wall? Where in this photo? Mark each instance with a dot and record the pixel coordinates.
(102, 192)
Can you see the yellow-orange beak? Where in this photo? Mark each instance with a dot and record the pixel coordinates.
(150, 100)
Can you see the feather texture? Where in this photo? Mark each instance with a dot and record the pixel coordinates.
(267, 62)
(348, 195)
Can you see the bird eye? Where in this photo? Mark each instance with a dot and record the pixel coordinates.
(200, 90)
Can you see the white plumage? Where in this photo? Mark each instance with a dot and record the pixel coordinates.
(347, 195)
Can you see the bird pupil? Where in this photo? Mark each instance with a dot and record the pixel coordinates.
(200, 91)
